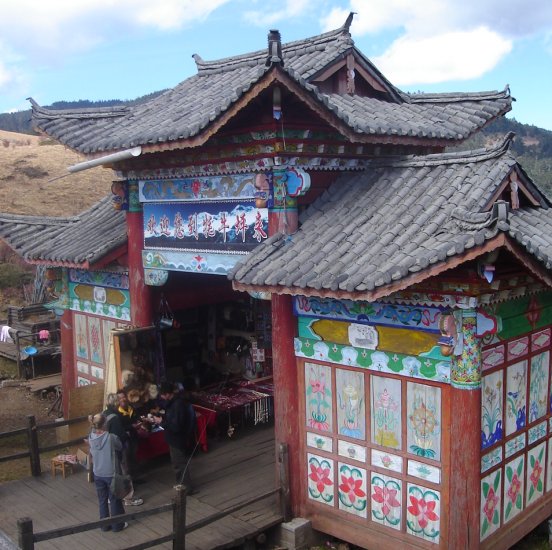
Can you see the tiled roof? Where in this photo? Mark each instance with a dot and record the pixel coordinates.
(399, 217)
(189, 109)
(78, 241)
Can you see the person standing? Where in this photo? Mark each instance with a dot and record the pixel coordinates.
(114, 425)
(129, 419)
(104, 448)
(179, 424)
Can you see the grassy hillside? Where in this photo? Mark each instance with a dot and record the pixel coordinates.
(28, 164)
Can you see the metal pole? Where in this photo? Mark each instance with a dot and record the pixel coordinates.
(179, 518)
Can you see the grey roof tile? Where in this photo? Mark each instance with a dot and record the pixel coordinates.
(192, 106)
(76, 241)
(436, 218)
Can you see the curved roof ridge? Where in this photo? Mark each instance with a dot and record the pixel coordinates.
(450, 97)
(85, 112)
(259, 56)
(454, 157)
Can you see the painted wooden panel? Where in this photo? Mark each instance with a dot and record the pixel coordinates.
(423, 513)
(411, 316)
(538, 385)
(385, 412)
(198, 188)
(352, 451)
(536, 460)
(491, 503)
(516, 390)
(352, 493)
(386, 498)
(97, 372)
(514, 445)
(541, 339)
(318, 399)
(492, 458)
(534, 433)
(513, 487)
(190, 262)
(99, 278)
(389, 461)
(427, 472)
(321, 482)
(83, 367)
(351, 415)
(95, 340)
(320, 442)
(493, 357)
(81, 381)
(424, 420)
(210, 226)
(423, 366)
(81, 336)
(518, 348)
(491, 408)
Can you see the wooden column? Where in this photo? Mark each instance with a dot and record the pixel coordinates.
(68, 359)
(141, 307)
(465, 436)
(283, 218)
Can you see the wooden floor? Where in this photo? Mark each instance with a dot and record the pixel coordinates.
(234, 470)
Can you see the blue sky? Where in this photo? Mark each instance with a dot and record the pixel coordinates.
(121, 49)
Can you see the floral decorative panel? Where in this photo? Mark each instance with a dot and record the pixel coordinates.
(321, 479)
(514, 445)
(423, 513)
(538, 385)
(386, 497)
(536, 459)
(389, 461)
(492, 357)
(386, 412)
(95, 340)
(518, 348)
(97, 372)
(540, 339)
(320, 442)
(81, 336)
(427, 472)
(516, 392)
(83, 367)
(513, 487)
(536, 432)
(492, 458)
(81, 381)
(107, 327)
(352, 451)
(352, 490)
(318, 399)
(491, 489)
(491, 409)
(351, 412)
(424, 420)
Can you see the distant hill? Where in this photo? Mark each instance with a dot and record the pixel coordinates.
(532, 146)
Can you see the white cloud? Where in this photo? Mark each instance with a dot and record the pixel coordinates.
(443, 40)
(452, 56)
(280, 12)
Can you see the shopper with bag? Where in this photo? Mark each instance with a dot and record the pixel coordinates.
(110, 484)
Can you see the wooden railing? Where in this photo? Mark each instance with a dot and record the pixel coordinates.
(27, 537)
(34, 449)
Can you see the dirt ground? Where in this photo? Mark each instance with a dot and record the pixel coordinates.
(18, 403)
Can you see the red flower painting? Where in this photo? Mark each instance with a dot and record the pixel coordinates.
(514, 488)
(423, 511)
(535, 474)
(387, 497)
(320, 476)
(351, 487)
(490, 505)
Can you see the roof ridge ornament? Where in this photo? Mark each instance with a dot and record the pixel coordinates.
(348, 21)
(274, 48)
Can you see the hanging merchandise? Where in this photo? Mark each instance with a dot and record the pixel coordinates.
(166, 318)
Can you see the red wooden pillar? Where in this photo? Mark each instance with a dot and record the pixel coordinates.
(141, 307)
(283, 218)
(68, 367)
(465, 437)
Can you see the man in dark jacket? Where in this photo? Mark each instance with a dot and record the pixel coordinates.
(179, 424)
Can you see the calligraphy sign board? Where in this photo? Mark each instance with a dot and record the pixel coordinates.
(227, 226)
